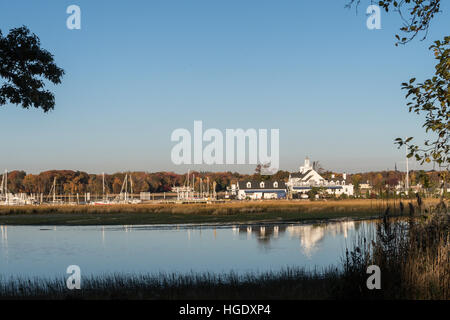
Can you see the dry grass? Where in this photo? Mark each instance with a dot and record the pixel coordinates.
(228, 212)
(413, 256)
(216, 208)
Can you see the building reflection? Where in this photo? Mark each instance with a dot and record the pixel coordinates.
(4, 232)
(262, 233)
(310, 236)
(4, 237)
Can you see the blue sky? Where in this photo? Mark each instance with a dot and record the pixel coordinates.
(137, 70)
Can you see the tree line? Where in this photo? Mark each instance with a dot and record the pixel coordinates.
(72, 182)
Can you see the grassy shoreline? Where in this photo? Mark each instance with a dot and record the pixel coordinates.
(413, 254)
(414, 259)
(286, 284)
(233, 212)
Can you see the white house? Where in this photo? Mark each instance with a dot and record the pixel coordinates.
(302, 182)
(250, 189)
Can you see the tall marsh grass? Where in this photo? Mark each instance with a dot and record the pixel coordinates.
(413, 255)
(290, 283)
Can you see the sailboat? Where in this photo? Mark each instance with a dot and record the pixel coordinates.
(124, 196)
(52, 194)
(104, 200)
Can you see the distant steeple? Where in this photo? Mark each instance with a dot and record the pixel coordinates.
(306, 166)
(396, 167)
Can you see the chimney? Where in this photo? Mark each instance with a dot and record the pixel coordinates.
(344, 176)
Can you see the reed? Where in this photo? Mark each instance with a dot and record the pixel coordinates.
(290, 283)
(413, 255)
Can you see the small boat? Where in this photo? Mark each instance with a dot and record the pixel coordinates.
(102, 203)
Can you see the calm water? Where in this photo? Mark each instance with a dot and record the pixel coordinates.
(47, 251)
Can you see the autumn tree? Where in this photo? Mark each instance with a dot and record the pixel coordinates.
(15, 181)
(29, 183)
(117, 185)
(378, 182)
(356, 181)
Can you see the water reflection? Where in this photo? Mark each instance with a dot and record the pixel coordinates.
(184, 248)
(4, 241)
(312, 235)
(4, 231)
(309, 235)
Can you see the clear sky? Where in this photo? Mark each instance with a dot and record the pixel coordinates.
(137, 70)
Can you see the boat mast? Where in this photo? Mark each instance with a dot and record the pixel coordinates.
(54, 190)
(103, 178)
(2, 185)
(407, 171)
(188, 186)
(131, 187)
(126, 187)
(6, 186)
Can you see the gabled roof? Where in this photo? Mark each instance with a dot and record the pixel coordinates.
(300, 175)
(257, 184)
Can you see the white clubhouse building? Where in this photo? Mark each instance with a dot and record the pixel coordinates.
(272, 189)
(301, 182)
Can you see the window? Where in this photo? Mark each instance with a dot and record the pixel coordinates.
(275, 184)
(261, 185)
(249, 184)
